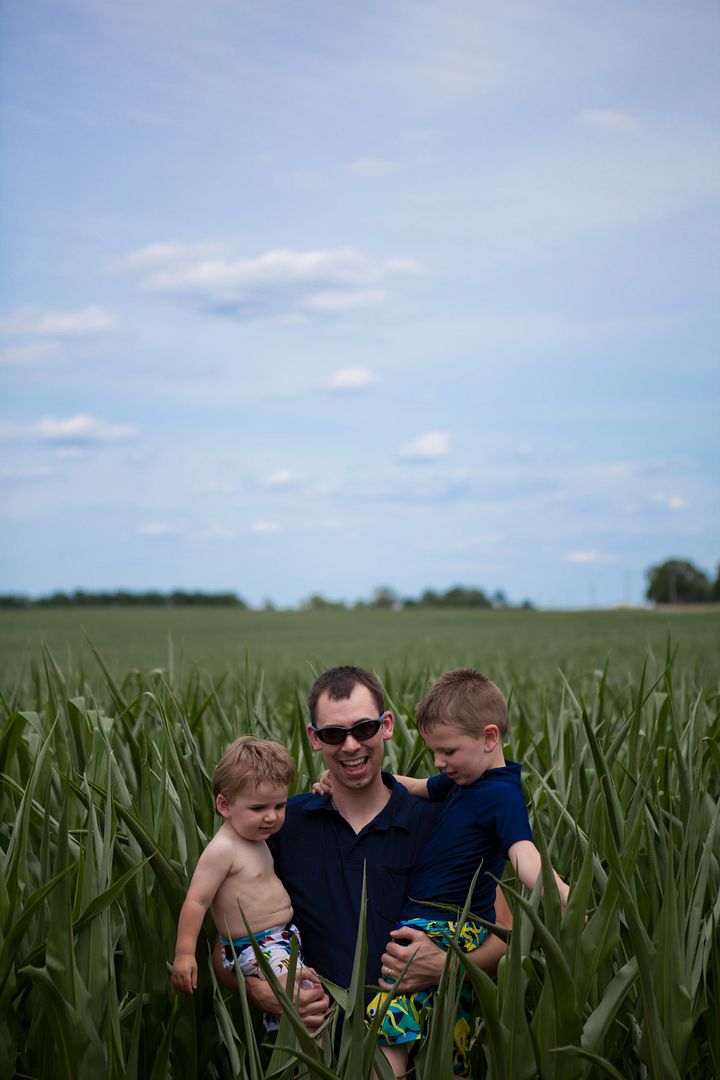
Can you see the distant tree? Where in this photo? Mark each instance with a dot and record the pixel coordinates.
(677, 581)
(715, 587)
(430, 599)
(385, 597)
(317, 602)
(459, 597)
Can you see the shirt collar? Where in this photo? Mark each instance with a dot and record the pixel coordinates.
(397, 811)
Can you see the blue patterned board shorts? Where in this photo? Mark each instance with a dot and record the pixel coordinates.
(274, 944)
(402, 1022)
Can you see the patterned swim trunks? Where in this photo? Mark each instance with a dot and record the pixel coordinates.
(274, 944)
(402, 1023)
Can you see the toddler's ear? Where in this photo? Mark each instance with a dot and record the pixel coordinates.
(222, 806)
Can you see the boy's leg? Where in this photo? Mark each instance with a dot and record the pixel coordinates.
(397, 1057)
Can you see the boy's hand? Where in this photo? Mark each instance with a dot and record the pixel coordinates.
(323, 785)
(184, 974)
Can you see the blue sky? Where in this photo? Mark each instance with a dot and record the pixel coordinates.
(314, 297)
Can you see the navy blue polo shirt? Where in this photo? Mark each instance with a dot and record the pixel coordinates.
(320, 859)
(479, 822)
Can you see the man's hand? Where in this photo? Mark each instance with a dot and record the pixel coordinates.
(184, 973)
(427, 961)
(311, 1002)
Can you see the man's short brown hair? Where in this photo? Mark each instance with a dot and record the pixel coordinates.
(339, 682)
(464, 699)
(249, 762)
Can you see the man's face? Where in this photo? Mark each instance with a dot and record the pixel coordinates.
(353, 764)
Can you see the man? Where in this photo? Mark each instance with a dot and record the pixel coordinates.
(369, 823)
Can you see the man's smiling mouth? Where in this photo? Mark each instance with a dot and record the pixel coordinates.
(355, 763)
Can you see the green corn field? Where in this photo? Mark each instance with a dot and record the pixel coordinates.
(106, 804)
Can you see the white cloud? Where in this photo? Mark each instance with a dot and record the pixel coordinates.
(264, 528)
(435, 444)
(280, 283)
(343, 301)
(281, 478)
(581, 557)
(672, 502)
(81, 428)
(28, 355)
(354, 378)
(221, 532)
(371, 168)
(30, 472)
(34, 322)
(156, 528)
(153, 255)
(613, 121)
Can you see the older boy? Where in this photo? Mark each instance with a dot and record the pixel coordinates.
(250, 786)
(484, 820)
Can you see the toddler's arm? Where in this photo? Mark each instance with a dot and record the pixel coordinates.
(212, 869)
(525, 857)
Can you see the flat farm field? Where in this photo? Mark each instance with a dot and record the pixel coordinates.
(111, 721)
(498, 642)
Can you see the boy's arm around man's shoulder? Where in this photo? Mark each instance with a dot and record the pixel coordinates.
(416, 787)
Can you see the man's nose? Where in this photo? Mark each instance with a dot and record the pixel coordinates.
(351, 740)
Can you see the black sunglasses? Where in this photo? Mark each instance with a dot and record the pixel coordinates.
(362, 730)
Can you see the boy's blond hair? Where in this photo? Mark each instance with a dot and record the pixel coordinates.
(249, 762)
(464, 699)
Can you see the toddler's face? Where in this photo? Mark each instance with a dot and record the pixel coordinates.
(256, 813)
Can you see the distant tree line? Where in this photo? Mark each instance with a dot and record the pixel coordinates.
(675, 581)
(678, 581)
(122, 598)
(458, 596)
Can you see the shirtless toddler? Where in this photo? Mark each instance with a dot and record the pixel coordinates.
(250, 786)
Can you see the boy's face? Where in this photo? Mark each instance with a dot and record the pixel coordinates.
(257, 812)
(461, 756)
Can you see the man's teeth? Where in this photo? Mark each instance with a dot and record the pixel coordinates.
(354, 762)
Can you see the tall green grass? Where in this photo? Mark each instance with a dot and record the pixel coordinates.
(106, 803)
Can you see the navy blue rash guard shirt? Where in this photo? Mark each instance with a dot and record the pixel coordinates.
(478, 823)
(319, 859)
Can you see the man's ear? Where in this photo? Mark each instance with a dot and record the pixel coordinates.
(491, 736)
(388, 725)
(314, 741)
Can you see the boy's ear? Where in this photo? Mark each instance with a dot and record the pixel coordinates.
(222, 806)
(491, 736)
